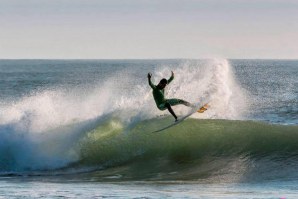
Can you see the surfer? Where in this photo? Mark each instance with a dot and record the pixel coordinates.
(158, 94)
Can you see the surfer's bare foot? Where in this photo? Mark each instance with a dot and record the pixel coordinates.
(176, 119)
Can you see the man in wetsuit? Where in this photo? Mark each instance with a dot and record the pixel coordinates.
(158, 94)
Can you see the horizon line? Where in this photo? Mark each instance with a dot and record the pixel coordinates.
(147, 58)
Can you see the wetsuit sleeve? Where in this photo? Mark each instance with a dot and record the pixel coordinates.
(151, 84)
(171, 79)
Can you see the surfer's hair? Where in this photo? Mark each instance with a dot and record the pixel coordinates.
(163, 81)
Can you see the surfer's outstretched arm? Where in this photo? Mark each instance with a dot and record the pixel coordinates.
(150, 82)
(171, 78)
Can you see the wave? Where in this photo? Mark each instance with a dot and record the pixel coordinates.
(188, 151)
(212, 150)
(199, 137)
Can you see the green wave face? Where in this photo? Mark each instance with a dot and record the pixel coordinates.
(194, 149)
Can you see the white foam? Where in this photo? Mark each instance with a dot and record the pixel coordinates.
(228, 99)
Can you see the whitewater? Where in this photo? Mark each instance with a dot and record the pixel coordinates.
(89, 122)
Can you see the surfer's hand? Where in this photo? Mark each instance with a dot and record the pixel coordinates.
(149, 75)
(172, 73)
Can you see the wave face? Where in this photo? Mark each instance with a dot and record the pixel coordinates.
(192, 150)
(104, 128)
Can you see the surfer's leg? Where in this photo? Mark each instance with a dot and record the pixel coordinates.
(167, 104)
(175, 101)
(186, 103)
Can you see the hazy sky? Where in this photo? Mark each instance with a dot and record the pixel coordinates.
(149, 29)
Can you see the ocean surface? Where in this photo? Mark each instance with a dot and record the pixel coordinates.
(83, 129)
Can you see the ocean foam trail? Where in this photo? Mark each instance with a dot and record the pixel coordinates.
(39, 131)
(22, 151)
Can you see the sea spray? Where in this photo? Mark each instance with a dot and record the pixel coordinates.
(210, 80)
(228, 99)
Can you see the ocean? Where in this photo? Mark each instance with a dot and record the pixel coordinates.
(83, 129)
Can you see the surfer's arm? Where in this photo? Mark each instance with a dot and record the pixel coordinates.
(171, 78)
(150, 82)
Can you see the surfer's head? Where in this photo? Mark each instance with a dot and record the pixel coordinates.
(162, 84)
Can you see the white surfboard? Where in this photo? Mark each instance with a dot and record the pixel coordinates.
(201, 109)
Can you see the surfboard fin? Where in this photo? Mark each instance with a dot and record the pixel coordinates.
(203, 108)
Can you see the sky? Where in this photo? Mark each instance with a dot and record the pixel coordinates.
(148, 29)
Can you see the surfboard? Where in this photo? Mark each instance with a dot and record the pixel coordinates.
(202, 109)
